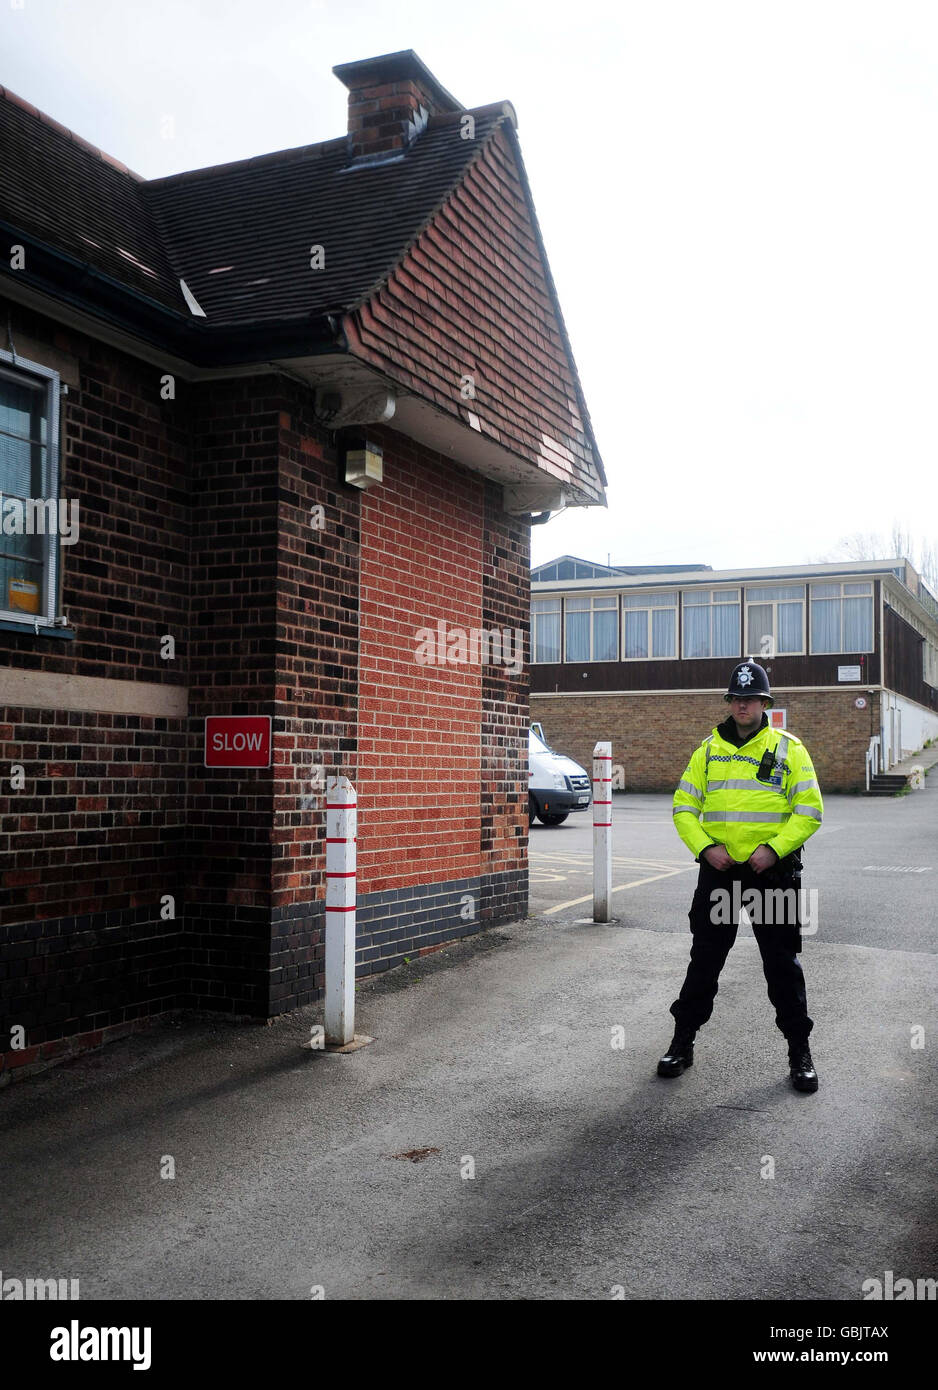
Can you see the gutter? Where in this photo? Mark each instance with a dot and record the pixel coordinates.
(75, 282)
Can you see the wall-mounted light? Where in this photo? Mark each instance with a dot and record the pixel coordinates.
(363, 462)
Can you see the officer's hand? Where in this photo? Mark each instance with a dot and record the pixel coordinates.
(717, 857)
(762, 858)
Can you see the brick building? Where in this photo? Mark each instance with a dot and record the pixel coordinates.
(211, 365)
(642, 657)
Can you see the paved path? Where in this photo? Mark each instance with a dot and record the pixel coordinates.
(497, 1057)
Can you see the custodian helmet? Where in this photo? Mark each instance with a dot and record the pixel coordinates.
(749, 678)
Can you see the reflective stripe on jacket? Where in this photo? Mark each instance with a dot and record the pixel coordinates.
(719, 800)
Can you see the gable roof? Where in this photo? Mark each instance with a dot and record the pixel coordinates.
(261, 217)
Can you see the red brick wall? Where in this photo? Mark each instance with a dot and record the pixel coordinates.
(197, 525)
(124, 458)
(316, 709)
(653, 736)
(235, 441)
(94, 840)
(419, 725)
(506, 604)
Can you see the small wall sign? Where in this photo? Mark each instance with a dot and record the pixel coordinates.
(237, 740)
(849, 673)
(860, 702)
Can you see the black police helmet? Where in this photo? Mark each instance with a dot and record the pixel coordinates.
(749, 678)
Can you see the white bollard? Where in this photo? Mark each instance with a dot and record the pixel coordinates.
(602, 831)
(341, 828)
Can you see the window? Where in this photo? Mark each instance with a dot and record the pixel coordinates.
(649, 626)
(842, 617)
(775, 620)
(29, 415)
(711, 622)
(545, 620)
(929, 663)
(592, 628)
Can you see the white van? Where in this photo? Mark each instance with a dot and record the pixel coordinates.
(556, 785)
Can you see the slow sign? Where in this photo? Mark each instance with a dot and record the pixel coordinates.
(237, 740)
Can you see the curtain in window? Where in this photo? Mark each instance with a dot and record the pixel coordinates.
(697, 631)
(858, 624)
(825, 625)
(578, 636)
(663, 631)
(790, 619)
(547, 636)
(726, 629)
(760, 625)
(636, 633)
(605, 634)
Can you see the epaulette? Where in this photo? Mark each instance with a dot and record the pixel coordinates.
(792, 738)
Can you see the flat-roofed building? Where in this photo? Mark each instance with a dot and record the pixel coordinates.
(641, 655)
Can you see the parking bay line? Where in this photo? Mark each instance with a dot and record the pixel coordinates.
(620, 888)
(553, 870)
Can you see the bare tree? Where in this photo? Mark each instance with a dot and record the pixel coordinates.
(869, 545)
(928, 568)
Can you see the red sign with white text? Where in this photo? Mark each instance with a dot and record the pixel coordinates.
(237, 740)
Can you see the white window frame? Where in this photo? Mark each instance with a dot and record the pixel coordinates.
(535, 614)
(841, 650)
(16, 368)
(774, 603)
(930, 663)
(719, 589)
(649, 610)
(610, 607)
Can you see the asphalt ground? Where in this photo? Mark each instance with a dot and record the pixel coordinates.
(505, 1135)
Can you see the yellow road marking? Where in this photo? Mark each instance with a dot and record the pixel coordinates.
(575, 902)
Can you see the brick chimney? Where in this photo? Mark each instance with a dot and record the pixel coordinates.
(390, 100)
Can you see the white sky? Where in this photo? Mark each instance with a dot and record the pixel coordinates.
(739, 202)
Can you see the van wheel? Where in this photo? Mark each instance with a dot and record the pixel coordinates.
(553, 820)
(532, 810)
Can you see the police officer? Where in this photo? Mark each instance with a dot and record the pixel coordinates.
(747, 801)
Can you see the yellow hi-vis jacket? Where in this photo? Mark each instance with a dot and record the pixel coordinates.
(719, 799)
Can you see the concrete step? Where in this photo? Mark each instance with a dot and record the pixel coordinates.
(887, 784)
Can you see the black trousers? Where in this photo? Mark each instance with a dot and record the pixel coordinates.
(776, 925)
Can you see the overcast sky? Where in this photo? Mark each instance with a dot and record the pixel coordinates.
(739, 203)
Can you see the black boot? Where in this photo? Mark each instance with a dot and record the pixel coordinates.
(679, 1055)
(803, 1075)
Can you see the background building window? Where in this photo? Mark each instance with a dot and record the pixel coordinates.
(28, 470)
(649, 626)
(930, 663)
(592, 628)
(545, 620)
(842, 617)
(775, 620)
(711, 622)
